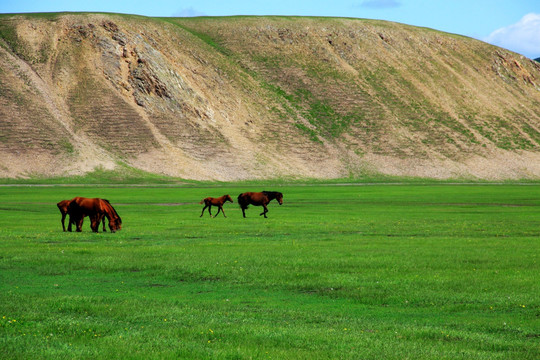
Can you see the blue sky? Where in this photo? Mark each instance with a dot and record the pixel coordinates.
(512, 24)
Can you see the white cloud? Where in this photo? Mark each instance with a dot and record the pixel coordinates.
(522, 37)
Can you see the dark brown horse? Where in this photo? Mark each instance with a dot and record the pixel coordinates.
(209, 201)
(63, 207)
(258, 199)
(95, 208)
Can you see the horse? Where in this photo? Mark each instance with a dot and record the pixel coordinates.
(63, 207)
(111, 214)
(97, 209)
(259, 199)
(209, 201)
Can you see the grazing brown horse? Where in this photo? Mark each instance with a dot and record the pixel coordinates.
(63, 207)
(259, 199)
(209, 201)
(97, 209)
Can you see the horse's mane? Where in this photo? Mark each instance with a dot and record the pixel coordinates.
(272, 194)
(118, 218)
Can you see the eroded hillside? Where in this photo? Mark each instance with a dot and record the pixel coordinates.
(245, 97)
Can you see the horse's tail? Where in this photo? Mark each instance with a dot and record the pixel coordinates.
(242, 202)
(201, 201)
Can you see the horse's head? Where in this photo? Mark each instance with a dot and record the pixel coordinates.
(279, 198)
(228, 198)
(115, 221)
(63, 206)
(115, 224)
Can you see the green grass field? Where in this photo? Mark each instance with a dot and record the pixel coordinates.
(337, 272)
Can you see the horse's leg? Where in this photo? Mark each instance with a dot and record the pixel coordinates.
(80, 223)
(204, 208)
(76, 222)
(63, 224)
(223, 211)
(94, 223)
(98, 222)
(265, 210)
(219, 209)
(69, 223)
(210, 208)
(244, 211)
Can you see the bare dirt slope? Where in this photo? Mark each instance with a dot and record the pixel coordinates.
(248, 97)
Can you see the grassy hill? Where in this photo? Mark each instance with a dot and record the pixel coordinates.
(261, 97)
